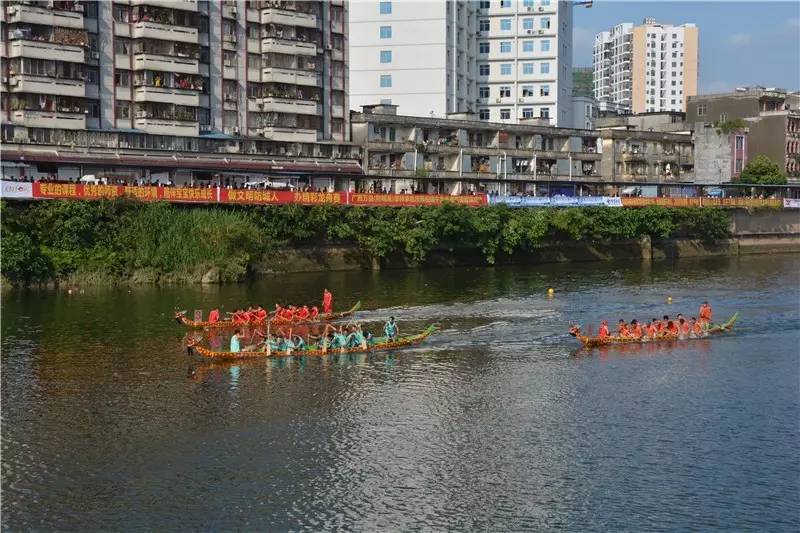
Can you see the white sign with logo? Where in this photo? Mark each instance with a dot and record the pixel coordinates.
(791, 203)
(17, 189)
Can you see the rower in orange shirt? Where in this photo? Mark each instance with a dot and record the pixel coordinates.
(705, 312)
(697, 328)
(603, 331)
(636, 329)
(683, 327)
(672, 328)
(652, 329)
(622, 329)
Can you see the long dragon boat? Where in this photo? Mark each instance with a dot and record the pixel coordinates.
(376, 344)
(181, 318)
(595, 341)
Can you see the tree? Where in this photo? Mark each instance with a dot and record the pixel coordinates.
(761, 170)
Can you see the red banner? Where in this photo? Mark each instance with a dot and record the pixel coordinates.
(83, 191)
(248, 196)
(400, 200)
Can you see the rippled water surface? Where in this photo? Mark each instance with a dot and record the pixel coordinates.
(497, 423)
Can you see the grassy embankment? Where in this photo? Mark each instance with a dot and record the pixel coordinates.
(122, 240)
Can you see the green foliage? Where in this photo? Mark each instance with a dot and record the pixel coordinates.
(761, 170)
(54, 240)
(730, 125)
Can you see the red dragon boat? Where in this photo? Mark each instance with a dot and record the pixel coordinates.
(594, 341)
(181, 318)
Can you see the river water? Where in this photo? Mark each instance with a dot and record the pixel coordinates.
(497, 423)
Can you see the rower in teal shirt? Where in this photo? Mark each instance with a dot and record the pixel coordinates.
(391, 330)
(235, 348)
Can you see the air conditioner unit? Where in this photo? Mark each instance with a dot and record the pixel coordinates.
(13, 82)
(95, 55)
(521, 100)
(541, 32)
(541, 9)
(529, 32)
(236, 130)
(497, 101)
(528, 9)
(328, 47)
(234, 11)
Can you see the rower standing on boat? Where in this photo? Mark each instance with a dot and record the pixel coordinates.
(327, 302)
(705, 312)
(603, 331)
(391, 330)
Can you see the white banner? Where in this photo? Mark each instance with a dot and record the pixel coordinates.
(791, 203)
(557, 201)
(16, 189)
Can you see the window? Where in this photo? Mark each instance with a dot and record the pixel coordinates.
(545, 45)
(527, 23)
(505, 47)
(527, 112)
(505, 3)
(738, 167)
(505, 91)
(701, 110)
(386, 80)
(723, 117)
(483, 48)
(483, 114)
(527, 68)
(483, 25)
(527, 46)
(123, 109)
(527, 3)
(505, 114)
(544, 112)
(386, 56)
(121, 13)
(545, 68)
(505, 24)
(740, 142)
(484, 4)
(544, 90)
(386, 8)
(386, 32)
(386, 101)
(544, 23)
(545, 2)
(483, 92)
(527, 90)
(123, 46)
(505, 69)
(122, 78)
(483, 70)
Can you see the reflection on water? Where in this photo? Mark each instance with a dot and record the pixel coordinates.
(499, 422)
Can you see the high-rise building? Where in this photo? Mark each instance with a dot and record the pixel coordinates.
(647, 68)
(504, 60)
(267, 69)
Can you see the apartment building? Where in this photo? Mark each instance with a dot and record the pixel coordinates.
(505, 60)
(270, 70)
(651, 67)
(771, 116)
(461, 154)
(419, 55)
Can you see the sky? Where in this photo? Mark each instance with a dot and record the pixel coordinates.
(742, 43)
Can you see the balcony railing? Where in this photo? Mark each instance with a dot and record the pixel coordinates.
(30, 83)
(166, 63)
(184, 5)
(164, 32)
(285, 17)
(288, 47)
(288, 105)
(46, 50)
(167, 95)
(49, 119)
(23, 13)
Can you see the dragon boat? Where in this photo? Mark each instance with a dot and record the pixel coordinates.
(594, 341)
(181, 318)
(376, 344)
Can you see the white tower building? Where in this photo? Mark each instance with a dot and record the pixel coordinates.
(505, 60)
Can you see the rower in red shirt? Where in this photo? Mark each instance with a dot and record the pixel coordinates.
(684, 327)
(622, 329)
(302, 313)
(636, 329)
(672, 328)
(652, 329)
(213, 316)
(260, 314)
(603, 332)
(314, 313)
(327, 302)
(705, 312)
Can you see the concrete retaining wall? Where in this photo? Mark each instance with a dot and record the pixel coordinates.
(766, 222)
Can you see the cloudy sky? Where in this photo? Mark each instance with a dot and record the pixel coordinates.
(741, 42)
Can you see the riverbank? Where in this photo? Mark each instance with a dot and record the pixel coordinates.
(122, 241)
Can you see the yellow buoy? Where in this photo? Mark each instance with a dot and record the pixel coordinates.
(669, 299)
(550, 291)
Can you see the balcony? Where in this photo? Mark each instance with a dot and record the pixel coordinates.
(183, 5)
(288, 105)
(28, 83)
(167, 95)
(292, 77)
(164, 32)
(278, 133)
(285, 46)
(180, 65)
(288, 18)
(337, 111)
(158, 126)
(230, 11)
(46, 50)
(45, 17)
(49, 119)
